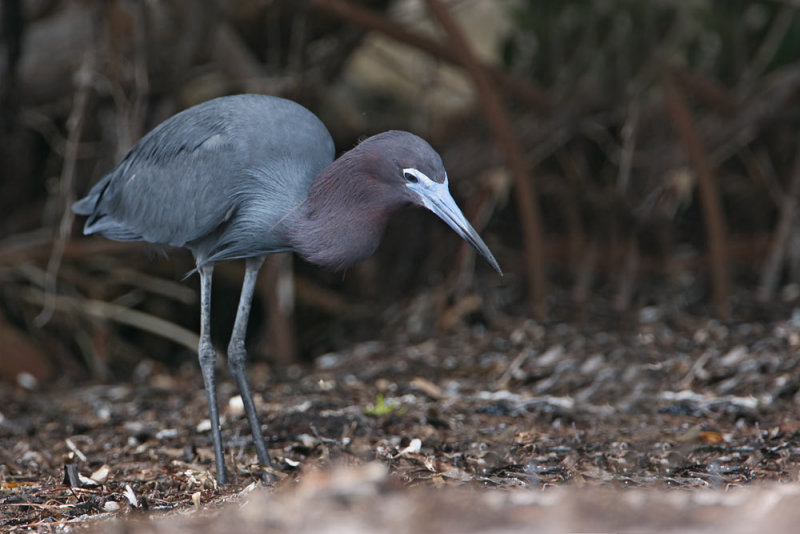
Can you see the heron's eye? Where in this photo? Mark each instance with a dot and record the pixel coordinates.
(411, 177)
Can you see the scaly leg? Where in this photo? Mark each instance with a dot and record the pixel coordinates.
(237, 356)
(207, 356)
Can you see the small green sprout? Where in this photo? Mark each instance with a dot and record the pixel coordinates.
(381, 407)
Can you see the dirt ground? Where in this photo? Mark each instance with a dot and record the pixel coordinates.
(661, 422)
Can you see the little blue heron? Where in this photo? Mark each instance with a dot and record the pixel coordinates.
(243, 176)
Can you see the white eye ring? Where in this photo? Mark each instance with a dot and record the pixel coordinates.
(413, 175)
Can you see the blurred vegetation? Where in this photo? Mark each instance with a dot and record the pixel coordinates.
(607, 63)
(613, 43)
(660, 141)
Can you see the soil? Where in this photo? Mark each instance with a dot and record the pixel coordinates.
(671, 422)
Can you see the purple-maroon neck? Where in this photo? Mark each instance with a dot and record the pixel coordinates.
(348, 205)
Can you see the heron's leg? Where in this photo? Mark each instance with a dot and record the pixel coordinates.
(237, 356)
(207, 356)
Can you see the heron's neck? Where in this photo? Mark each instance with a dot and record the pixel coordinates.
(344, 216)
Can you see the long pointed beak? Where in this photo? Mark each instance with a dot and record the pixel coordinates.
(436, 197)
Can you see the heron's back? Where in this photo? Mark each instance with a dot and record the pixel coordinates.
(221, 178)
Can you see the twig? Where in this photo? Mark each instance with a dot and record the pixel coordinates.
(776, 95)
(37, 245)
(782, 22)
(627, 275)
(44, 125)
(130, 109)
(783, 231)
(576, 234)
(75, 127)
(714, 217)
(141, 79)
(114, 312)
(628, 145)
(585, 273)
(500, 122)
(494, 190)
(297, 42)
(709, 91)
(156, 285)
(277, 288)
(513, 368)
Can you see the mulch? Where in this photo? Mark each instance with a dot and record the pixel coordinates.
(529, 422)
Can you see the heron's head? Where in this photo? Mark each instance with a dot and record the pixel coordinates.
(406, 167)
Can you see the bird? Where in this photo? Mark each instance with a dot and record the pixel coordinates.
(244, 176)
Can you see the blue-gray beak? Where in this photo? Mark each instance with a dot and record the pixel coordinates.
(436, 197)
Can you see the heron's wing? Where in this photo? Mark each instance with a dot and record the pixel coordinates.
(170, 188)
(196, 171)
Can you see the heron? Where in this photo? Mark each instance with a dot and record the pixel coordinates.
(244, 176)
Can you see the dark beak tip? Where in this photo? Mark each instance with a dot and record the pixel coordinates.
(444, 207)
(496, 267)
(482, 250)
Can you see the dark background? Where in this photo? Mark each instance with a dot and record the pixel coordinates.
(616, 156)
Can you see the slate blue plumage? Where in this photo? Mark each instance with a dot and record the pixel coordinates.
(201, 178)
(243, 176)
